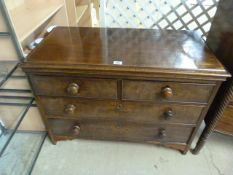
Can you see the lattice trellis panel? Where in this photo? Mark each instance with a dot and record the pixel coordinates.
(160, 14)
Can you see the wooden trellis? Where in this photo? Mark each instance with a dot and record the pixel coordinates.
(159, 14)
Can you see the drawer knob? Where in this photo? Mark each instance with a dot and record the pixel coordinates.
(69, 109)
(73, 89)
(76, 130)
(169, 114)
(162, 133)
(119, 107)
(167, 92)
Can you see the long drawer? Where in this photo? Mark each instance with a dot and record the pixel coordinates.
(166, 91)
(74, 87)
(119, 131)
(125, 111)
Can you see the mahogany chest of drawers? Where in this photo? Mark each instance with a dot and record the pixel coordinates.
(136, 85)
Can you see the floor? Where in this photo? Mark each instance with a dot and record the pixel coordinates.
(86, 157)
(19, 156)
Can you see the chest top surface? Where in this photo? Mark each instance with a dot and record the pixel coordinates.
(118, 49)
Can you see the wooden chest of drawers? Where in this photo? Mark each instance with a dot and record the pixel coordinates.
(124, 84)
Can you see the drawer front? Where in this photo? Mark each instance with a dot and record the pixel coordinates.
(166, 91)
(124, 111)
(119, 131)
(81, 109)
(74, 87)
(161, 113)
(225, 124)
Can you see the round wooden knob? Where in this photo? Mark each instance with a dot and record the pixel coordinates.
(169, 113)
(69, 109)
(119, 107)
(167, 92)
(73, 88)
(76, 130)
(162, 133)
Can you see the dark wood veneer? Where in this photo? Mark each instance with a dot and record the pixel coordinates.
(120, 131)
(154, 91)
(151, 86)
(87, 87)
(126, 111)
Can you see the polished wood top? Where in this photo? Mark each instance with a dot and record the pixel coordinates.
(121, 49)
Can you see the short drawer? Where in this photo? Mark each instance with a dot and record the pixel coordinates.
(119, 131)
(74, 87)
(125, 111)
(166, 91)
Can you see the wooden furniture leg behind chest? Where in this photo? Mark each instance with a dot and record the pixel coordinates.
(220, 40)
(124, 84)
